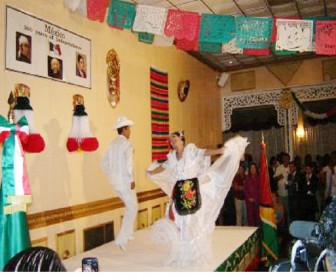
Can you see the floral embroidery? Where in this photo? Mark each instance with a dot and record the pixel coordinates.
(188, 195)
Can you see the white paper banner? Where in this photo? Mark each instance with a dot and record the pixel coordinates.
(231, 47)
(294, 35)
(163, 41)
(149, 19)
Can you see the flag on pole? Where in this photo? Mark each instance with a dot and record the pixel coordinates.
(269, 246)
(15, 191)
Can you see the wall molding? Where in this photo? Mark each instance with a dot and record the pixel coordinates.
(51, 217)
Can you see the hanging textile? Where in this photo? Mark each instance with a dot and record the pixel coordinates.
(231, 47)
(209, 47)
(159, 114)
(280, 52)
(325, 37)
(217, 28)
(163, 41)
(257, 51)
(182, 25)
(313, 115)
(253, 32)
(174, 24)
(146, 37)
(186, 45)
(149, 19)
(96, 9)
(294, 35)
(121, 14)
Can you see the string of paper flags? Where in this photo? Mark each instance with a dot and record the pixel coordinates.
(191, 31)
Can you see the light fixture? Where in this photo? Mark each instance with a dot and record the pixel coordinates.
(300, 131)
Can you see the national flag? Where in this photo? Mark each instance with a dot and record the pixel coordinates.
(56, 48)
(14, 191)
(269, 246)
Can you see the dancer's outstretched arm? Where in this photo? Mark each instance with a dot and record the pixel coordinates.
(155, 170)
(214, 152)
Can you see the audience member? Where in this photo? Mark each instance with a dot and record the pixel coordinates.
(273, 164)
(279, 212)
(251, 192)
(227, 214)
(331, 179)
(281, 177)
(307, 204)
(35, 259)
(294, 180)
(239, 197)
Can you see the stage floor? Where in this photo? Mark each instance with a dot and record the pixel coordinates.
(143, 255)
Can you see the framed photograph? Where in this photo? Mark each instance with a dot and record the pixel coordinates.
(37, 47)
(329, 69)
(243, 81)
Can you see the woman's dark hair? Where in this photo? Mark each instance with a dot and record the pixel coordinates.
(79, 57)
(273, 159)
(180, 134)
(251, 164)
(35, 259)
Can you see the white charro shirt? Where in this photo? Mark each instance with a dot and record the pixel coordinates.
(281, 169)
(117, 163)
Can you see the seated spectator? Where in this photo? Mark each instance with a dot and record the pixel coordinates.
(35, 259)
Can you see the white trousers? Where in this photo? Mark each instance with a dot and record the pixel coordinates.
(241, 213)
(129, 198)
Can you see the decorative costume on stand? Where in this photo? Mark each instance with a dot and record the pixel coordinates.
(81, 137)
(14, 191)
(189, 235)
(21, 107)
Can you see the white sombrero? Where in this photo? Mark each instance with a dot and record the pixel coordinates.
(123, 121)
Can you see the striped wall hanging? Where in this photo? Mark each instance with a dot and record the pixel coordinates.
(159, 114)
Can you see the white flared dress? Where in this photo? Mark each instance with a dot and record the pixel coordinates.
(189, 237)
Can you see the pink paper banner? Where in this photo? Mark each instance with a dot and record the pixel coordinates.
(325, 38)
(182, 25)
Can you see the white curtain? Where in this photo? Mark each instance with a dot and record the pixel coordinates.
(318, 140)
(274, 139)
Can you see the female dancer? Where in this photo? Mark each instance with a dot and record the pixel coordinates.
(197, 192)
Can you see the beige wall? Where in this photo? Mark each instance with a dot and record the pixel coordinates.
(61, 179)
(309, 72)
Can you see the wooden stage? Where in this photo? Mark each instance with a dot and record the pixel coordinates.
(234, 249)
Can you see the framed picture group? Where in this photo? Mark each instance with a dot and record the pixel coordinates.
(40, 48)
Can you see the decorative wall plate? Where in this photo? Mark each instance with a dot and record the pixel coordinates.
(183, 90)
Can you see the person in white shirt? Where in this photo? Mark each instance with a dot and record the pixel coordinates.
(117, 163)
(330, 173)
(281, 177)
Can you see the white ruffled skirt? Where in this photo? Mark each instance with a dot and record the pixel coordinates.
(189, 237)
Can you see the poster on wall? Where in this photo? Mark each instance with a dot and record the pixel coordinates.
(37, 47)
